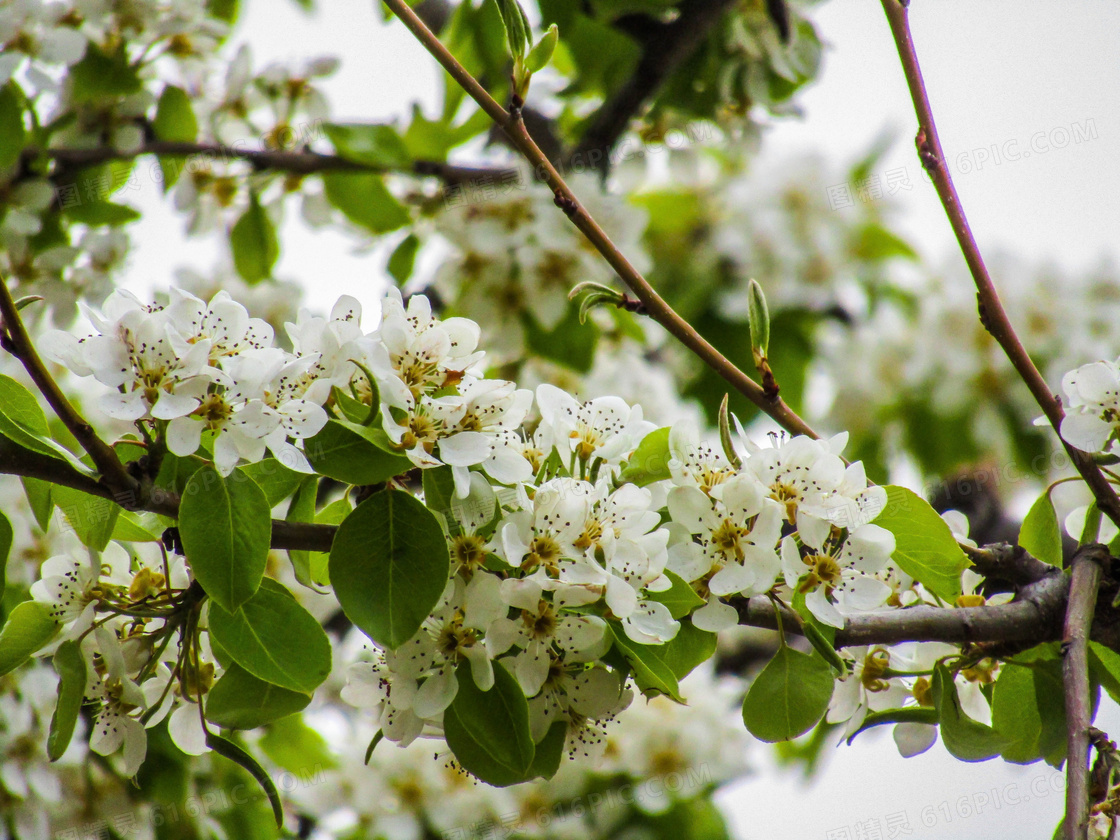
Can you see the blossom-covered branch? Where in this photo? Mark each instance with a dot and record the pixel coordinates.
(655, 305)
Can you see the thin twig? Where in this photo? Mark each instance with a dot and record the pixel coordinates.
(1088, 567)
(992, 314)
(297, 162)
(122, 486)
(510, 122)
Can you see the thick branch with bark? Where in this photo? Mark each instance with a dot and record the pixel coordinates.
(992, 314)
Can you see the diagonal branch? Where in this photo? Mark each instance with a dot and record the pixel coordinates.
(1088, 567)
(17, 342)
(992, 314)
(663, 51)
(510, 122)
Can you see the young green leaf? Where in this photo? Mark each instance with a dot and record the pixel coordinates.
(680, 598)
(1015, 714)
(375, 144)
(71, 668)
(389, 565)
(650, 461)
(93, 518)
(488, 731)
(924, 545)
(29, 628)
(175, 119)
(241, 701)
(516, 26)
(653, 674)
(1040, 533)
(226, 526)
(302, 509)
(964, 738)
(909, 714)
(354, 454)
(725, 435)
(758, 319)
(237, 755)
(5, 548)
(274, 638)
(277, 481)
(365, 200)
(541, 53)
(12, 132)
(788, 697)
(253, 243)
(549, 752)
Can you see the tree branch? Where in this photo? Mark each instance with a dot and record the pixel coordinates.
(511, 123)
(1088, 568)
(15, 460)
(17, 342)
(1035, 616)
(992, 314)
(666, 49)
(299, 163)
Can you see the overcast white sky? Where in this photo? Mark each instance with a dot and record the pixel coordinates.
(1027, 78)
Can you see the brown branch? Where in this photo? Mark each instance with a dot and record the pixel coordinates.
(17, 342)
(1088, 568)
(299, 163)
(15, 460)
(1035, 617)
(511, 123)
(663, 51)
(992, 314)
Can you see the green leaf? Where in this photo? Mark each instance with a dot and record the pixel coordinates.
(302, 509)
(1049, 695)
(101, 75)
(516, 26)
(680, 598)
(652, 673)
(97, 213)
(924, 545)
(403, 259)
(1015, 714)
(71, 667)
(12, 131)
(964, 738)
(23, 423)
(93, 518)
(488, 731)
(650, 461)
(354, 454)
(788, 696)
(389, 565)
(541, 54)
(130, 528)
(241, 701)
(909, 714)
(688, 649)
(226, 526)
(29, 629)
(365, 200)
(1040, 533)
(38, 494)
(6, 536)
(375, 144)
(295, 746)
(823, 645)
(253, 242)
(570, 343)
(275, 639)
(277, 481)
(238, 756)
(175, 119)
(1104, 665)
(549, 752)
(439, 490)
(758, 319)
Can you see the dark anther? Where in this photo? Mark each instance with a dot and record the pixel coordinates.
(172, 541)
